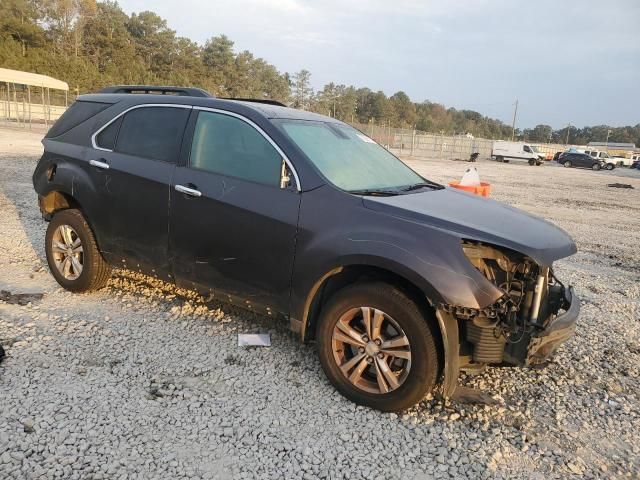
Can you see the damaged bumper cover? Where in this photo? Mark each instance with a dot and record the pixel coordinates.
(558, 331)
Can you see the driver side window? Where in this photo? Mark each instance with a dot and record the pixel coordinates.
(229, 146)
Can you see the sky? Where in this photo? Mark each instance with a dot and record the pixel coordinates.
(566, 61)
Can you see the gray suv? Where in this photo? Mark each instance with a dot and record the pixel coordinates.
(400, 281)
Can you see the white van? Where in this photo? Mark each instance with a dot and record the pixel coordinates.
(504, 151)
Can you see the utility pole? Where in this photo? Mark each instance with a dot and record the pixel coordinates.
(566, 142)
(606, 142)
(513, 125)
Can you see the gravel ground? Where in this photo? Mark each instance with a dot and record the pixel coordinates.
(142, 380)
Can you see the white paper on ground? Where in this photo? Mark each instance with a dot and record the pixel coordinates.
(471, 178)
(254, 340)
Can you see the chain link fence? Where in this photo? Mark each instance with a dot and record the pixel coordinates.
(415, 143)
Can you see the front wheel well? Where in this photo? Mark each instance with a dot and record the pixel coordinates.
(366, 273)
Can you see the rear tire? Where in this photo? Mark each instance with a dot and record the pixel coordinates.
(354, 357)
(567, 164)
(596, 167)
(500, 159)
(72, 253)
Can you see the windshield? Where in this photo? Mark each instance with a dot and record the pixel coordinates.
(347, 158)
(534, 149)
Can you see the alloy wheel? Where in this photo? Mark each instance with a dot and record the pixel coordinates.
(68, 254)
(371, 350)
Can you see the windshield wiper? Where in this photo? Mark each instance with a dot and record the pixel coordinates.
(375, 192)
(417, 186)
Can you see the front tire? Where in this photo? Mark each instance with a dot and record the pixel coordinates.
(532, 162)
(596, 167)
(609, 166)
(567, 164)
(376, 347)
(72, 253)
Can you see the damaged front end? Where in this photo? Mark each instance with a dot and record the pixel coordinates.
(535, 314)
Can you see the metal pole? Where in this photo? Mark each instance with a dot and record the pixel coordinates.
(566, 142)
(513, 125)
(413, 139)
(29, 99)
(8, 102)
(49, 103)
(15, 100)
(44, 111)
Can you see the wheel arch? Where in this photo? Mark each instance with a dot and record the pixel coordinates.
(339, 277)
(56, 200)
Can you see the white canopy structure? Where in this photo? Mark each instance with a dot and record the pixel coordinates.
(25, 97)
(31, 79)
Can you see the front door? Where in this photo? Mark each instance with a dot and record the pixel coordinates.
(137, 171)
(232, 227)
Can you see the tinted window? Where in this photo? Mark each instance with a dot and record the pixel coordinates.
(527, 149)
(75, 115)
(107, 137)
(229, 146)
(153, 132)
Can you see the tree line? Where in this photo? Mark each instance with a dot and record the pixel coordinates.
(92, 44)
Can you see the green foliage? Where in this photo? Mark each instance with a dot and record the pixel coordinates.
(93, 44)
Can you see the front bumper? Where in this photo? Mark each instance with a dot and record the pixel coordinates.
(558, 331)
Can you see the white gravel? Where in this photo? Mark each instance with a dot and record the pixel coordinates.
(142, 380)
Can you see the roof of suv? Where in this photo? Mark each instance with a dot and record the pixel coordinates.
(266, 109)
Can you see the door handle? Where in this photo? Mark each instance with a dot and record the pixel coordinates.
(99, 164)
(188, 191)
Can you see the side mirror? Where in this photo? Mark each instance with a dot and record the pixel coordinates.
(285, 178)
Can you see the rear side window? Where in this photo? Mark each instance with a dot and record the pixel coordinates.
(229, 146)
(153, 132)
(75, 115)
(107, 137)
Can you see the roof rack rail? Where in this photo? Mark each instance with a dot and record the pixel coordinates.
(157, 89)
(266, 101)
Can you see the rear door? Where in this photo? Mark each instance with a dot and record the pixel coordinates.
(583, 160)
(137, 156)
(232, 227)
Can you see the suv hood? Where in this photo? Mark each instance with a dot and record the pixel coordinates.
(471, 217)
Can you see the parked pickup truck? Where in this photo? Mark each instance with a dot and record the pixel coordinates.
(609, 163)
(621, 161)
